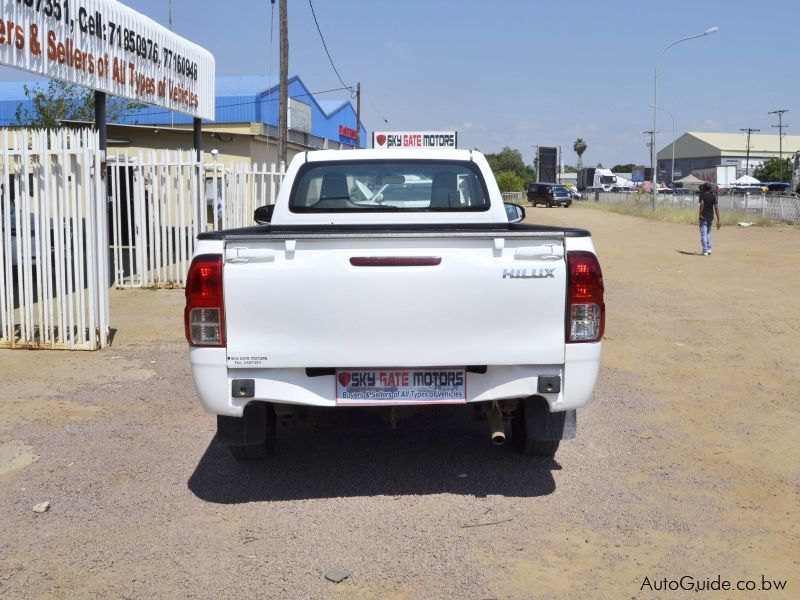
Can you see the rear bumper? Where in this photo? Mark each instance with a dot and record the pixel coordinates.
(213, 380)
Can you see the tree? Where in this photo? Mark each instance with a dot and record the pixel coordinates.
(770, 170)
(580, 147)
(508, 181)
(66, 102)
(626, 168)
(510, 160)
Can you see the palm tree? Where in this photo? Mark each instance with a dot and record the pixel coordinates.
(580, 147)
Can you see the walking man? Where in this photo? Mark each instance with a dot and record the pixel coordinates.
(708, 206)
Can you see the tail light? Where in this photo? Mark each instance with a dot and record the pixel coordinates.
(204, 316)
(586, 311)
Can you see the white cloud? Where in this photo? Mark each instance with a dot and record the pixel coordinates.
(707, 125)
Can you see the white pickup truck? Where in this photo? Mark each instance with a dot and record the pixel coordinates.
(393, 280)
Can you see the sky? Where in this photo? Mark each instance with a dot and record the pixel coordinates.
(521, 73)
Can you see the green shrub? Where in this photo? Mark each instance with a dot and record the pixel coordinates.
(508, 181)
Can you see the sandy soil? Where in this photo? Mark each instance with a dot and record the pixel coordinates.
(687, 462)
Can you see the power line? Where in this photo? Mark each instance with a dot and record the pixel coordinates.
(349, 87)
(324, 45)
(271, 29)
(372, 104)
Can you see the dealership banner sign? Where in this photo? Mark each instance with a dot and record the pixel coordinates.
(108, 47)
(415, 139)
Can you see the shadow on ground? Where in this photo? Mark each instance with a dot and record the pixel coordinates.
(355, 454)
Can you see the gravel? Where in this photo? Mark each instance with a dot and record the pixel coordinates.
(146, 504)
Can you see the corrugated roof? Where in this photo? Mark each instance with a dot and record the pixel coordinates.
(701, 144)
(331, 106)
(737, 142)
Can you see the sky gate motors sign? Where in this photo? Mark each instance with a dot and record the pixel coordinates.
(415, 139)
(106, 46)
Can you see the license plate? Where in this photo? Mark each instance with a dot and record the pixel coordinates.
(363, 387)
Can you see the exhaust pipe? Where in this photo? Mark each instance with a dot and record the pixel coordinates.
(495, 418)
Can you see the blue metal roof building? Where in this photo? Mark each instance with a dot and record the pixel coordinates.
(238, 100)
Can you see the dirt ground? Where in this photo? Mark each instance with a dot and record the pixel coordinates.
(687, 461)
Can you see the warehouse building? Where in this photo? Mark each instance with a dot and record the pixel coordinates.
(699, 150)
(245, 126)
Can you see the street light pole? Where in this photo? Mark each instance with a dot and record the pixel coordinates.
(672, 170)
(654, 158)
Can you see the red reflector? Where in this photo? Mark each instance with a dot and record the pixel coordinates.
(395, 261)
(204, 290)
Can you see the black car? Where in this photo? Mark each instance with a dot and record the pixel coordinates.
(549, 194)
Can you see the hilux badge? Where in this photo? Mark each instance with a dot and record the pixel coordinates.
(529, 273)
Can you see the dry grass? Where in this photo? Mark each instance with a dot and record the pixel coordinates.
(674, 214)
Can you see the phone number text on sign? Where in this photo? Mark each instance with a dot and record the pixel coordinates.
(106, 46)
(400, 386)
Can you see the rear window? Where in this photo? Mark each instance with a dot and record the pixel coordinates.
(389, 186)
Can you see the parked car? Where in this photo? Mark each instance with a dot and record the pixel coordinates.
(747, 189)
(549, 194)
(574, 193)
(17, 236)
(14, 237)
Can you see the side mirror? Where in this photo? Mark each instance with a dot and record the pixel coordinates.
(263, 214)
(514, 212)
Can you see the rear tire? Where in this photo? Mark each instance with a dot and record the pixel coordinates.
(524, 444)
(247, 452)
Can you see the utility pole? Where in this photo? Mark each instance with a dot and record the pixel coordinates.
(780, 126)
(652, 145)
(358, 115)
(283, 101)
(748, 131)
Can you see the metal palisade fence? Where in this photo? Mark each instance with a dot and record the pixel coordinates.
(161, 200)
(53, 250)
(775, 207)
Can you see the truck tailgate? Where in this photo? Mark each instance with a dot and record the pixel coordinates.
(323, 301)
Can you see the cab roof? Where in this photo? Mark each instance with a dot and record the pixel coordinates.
(393, 154)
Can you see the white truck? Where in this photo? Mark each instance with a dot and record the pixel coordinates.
(391, 280)
(610, 181)
(598, 178)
